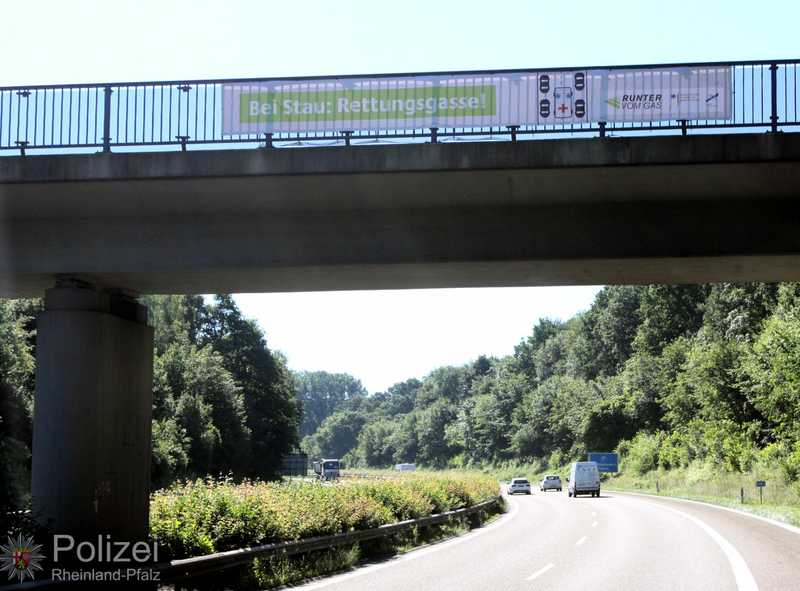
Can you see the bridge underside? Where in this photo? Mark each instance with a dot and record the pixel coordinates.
(619, 210)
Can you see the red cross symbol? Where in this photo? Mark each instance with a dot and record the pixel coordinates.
(563, 108)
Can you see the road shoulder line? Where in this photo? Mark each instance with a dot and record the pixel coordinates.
(775, 522)
(741, 572)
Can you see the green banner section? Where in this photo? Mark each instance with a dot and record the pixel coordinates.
(358, 104)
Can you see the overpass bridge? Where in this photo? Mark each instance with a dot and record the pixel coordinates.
(688, 200)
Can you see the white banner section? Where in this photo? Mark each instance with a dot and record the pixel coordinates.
(469, 101)
(374, 104)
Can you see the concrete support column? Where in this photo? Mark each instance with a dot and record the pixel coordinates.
(91, 437)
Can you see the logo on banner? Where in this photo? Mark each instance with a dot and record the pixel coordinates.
(637, 102)
(562, 95)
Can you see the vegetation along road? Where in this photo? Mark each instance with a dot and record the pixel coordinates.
(617, 541)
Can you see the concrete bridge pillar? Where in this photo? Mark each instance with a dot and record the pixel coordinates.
(91, 437)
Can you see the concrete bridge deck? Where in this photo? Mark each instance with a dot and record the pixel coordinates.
(584, 211)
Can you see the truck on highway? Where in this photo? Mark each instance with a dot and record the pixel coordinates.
(328, 469)
(584, 478)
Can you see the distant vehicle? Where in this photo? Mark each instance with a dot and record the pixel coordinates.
(584, 478)
(328, 469)
(552, 482)
(405, 467)
(519, 485)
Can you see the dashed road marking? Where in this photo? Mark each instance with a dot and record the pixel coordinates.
(580, 542)
(594, 524)
(540, 572)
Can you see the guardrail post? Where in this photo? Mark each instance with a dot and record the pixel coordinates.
(22, 144)
(107, 119)
(182, 139)
(602, 126)
(347, 135)
(741, 495)
(434, 135)
(513, 129)
(684, 129)
(773, 85)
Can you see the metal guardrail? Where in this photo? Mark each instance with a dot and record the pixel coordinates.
(201, 565)
(172, 114)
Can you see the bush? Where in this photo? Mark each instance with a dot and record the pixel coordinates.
(207, 516)
(641, 454)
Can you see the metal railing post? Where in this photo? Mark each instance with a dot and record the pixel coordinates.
(347, 135)
(513, 129)
(434, 135)
(773, 85)
(107, 119)
(268, 144)
(602, 125)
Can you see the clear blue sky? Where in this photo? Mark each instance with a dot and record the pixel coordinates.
(382, 337)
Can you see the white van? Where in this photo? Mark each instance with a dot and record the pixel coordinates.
(584, 478)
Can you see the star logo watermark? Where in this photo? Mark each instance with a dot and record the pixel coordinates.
(20, 558)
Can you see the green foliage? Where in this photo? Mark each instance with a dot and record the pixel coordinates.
(222, 402)
(17, 330)
(771, 374)
(211, 516)
(320, 393)
(669, 312)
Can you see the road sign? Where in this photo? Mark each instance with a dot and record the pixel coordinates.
(606, 461)
(760, 484)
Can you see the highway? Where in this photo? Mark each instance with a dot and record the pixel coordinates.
(616, 542)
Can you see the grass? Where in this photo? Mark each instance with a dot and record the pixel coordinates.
(698, 482)
(705, 482)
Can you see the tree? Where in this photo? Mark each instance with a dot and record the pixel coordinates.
(337, 435)
(271, 408)
(525, 352)
(771, 374)
(431, 423)
(668, 312)
(16, 403)
(321, 394)
(738, 311)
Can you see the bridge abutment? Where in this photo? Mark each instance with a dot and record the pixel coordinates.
(91, 437)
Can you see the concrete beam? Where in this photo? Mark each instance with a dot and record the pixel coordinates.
(620, 210)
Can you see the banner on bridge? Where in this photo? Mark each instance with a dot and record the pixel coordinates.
(472, 100)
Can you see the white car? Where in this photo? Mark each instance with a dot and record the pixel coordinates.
(552, 482)
(519, 485)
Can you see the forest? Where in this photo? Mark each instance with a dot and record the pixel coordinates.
(667, 375)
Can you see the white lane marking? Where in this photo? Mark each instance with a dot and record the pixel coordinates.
(594, 524)
(580, 542)
(540, 572)
(411, 555)
(775, 522)
(741, 572)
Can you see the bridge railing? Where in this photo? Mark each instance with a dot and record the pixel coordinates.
(142, 116)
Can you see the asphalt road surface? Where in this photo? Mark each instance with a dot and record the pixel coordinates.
(616, 542)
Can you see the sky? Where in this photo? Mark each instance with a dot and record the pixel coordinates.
(382, 337)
